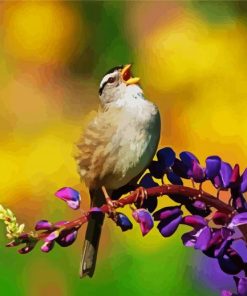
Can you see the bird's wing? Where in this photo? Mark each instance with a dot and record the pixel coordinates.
(94, 146)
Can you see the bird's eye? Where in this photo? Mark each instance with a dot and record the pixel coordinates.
(111, 79)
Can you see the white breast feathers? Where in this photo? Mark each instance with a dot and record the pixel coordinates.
(119, 143)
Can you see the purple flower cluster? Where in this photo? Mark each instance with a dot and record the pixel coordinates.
(62, 237)
(216, 240)
(53, 233)
(212, 232)
(241, 284)
(187, 166)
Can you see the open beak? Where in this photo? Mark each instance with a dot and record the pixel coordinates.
(126, 75)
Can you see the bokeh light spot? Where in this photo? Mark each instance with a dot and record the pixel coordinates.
(41, 32)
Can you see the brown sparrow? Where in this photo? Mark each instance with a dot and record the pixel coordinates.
(116, 147)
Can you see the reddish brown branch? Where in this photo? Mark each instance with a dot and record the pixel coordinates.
(187, 192)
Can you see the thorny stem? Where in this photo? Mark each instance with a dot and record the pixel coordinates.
(187, 192)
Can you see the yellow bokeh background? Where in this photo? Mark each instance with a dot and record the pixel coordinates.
(192, 64)
(32, 36)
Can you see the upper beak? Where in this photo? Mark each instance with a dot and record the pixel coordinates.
(126, 75)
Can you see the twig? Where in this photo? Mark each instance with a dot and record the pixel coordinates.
(187, 192)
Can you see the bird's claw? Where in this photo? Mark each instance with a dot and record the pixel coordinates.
(141, 195)
(112, 204)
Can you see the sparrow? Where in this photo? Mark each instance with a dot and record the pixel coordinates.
(115, 149)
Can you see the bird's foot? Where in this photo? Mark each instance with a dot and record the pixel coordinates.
(112, 204)
(140, 195)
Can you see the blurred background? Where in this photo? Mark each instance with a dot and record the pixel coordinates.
(191, 57)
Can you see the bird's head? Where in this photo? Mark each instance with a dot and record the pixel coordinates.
(116, 82)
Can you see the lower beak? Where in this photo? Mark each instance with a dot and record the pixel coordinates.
(126, 76)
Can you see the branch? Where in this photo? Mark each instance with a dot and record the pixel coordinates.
(187, 192)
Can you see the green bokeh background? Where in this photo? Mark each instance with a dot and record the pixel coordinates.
(52, 57)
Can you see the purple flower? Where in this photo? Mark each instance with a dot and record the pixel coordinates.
(188, 158)
(195, 221)
(213, 242)
(156, 169)
(238, 201)
(170, 218)
(151, 202)
(192, 207)
(167, 212)
(235, 177)
(237, 220)
(52, 236)
(180, 169)
(70, 196)
(67, 237)
(200, 237)
(143, 217)
(243, 186)
(220, 218)
(26, 239)
(194, 170)
(226, 233)
(203, 238)
(218, 243)
(64, 237)
(43, 225)
(231, 262)
(189, 167)
(241, 284)
(47, 246)
(222, 179)
(30, 244)
(174, 178)
(166, 158)
(28, 248)
(200, 205)
(23, 238)
(213, 164)
(189, 238)
(123, 222)
(225, 174)
(197, 172)
(222, 248)
(238, 187)
(168, 226)
(230, 178)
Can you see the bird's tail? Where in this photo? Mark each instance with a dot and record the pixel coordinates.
(92, 237)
